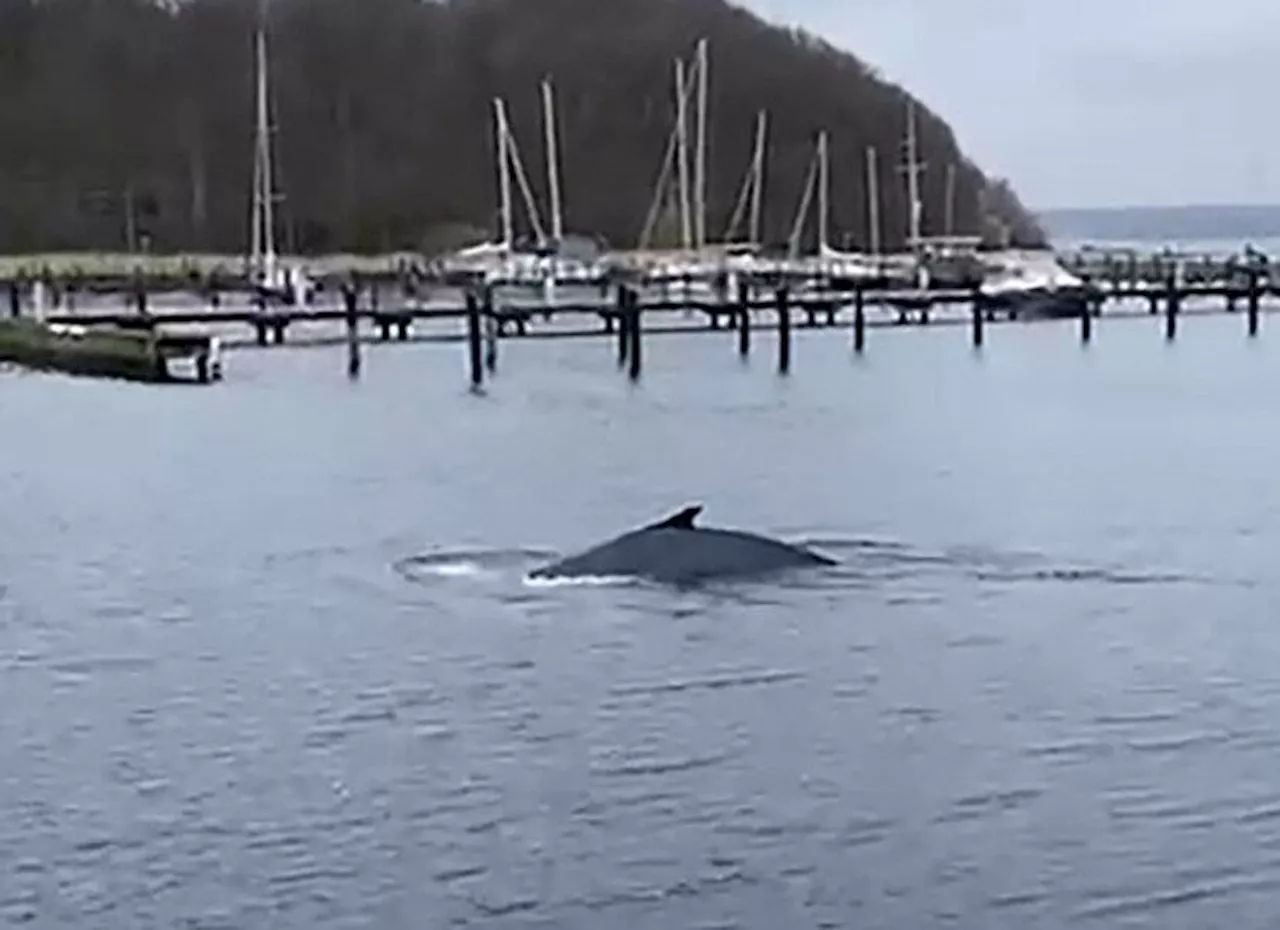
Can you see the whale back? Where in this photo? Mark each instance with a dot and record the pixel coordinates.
(676, 550)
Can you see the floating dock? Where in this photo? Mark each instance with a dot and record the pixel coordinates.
(139, 353)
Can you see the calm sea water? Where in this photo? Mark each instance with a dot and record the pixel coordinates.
(267, 658)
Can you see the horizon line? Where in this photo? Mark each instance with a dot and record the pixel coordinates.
(1197, 205)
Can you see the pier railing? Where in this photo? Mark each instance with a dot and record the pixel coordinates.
(1121, 268)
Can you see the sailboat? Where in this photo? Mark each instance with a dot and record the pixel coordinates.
(502, 260)
(270, 276)
(551, 257)
(840, 269)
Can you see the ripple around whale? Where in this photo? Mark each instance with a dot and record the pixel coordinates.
(994, 565)
(860, 562)
(443, 564)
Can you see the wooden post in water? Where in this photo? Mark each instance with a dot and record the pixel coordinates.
(859, 321)
(634, 331)
(260, 308)
(140, 293)
(15, 298)
(473, 341)
(1172, 300)
(490, 330)
(744, 317)
(1254, 299)
(621, 310)
(1086, 323)
(490, 343)
(784, 331)
(349, 300)
(977, 318)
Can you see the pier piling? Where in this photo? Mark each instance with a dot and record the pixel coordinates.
(977, 319)
(473, 341)
(1086, 324)
(140, 294)
(634, 331)
(621, 311)
(784, 331)
(349, 299)
(490, 320)
(859, 321)
(260, 321)
(1254, 300)
(490, 343)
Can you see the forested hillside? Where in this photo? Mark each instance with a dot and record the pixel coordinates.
(119, 109)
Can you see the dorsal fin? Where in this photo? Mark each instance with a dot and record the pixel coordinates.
(679, 521)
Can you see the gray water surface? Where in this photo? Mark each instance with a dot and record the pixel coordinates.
(267, 658)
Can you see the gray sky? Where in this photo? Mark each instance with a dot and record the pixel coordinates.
(1084, 102)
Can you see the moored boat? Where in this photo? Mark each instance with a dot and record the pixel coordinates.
(1033, 284)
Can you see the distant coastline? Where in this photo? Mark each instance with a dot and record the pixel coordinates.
(1242, 222)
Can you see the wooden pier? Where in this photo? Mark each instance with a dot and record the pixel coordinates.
(362, 309)
(270, 324)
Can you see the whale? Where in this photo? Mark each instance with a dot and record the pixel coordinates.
(675, 550)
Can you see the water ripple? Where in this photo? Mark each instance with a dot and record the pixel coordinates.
(726, 680)
(650, 767)
(1232, 883)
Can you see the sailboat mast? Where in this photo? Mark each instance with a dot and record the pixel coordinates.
(757, 178)
(873, 201)
(255, 209)
(266, 193)
(824, 194)
(802, 212)
(504, 171)
(700, 149)
(682, 154)
(913, 177)
(553, 161)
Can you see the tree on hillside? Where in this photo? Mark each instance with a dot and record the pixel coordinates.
(133, 119)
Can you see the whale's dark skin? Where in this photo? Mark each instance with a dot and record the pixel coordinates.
(675, 551)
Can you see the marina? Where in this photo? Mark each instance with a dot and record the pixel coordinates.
(726, 292)
(536, 279)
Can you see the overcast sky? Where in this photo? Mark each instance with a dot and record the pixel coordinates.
(1085, 102)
